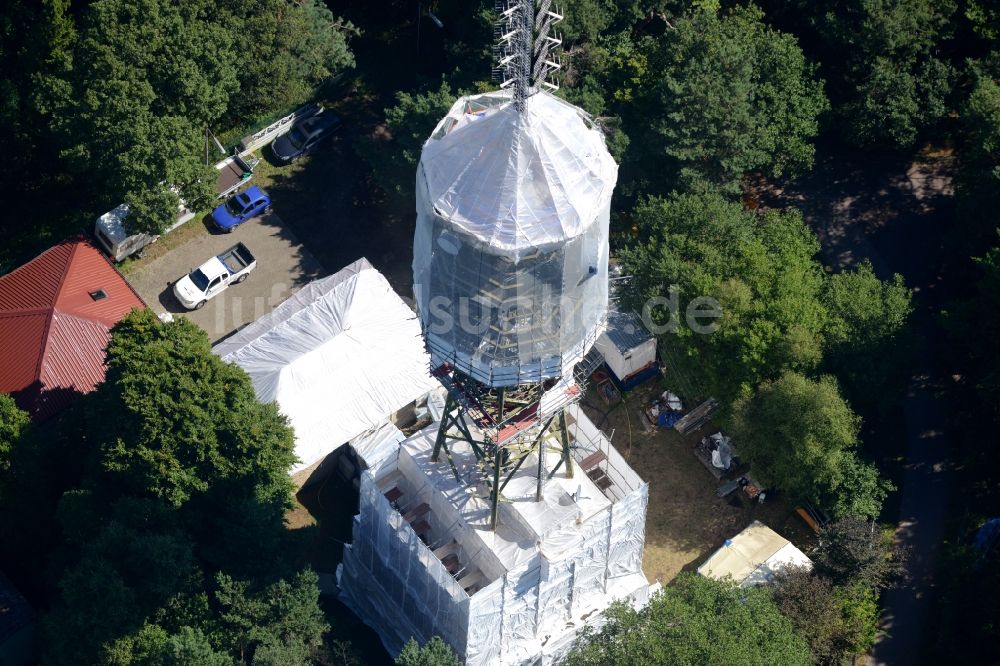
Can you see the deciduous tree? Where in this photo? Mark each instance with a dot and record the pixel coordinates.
(434, 652)
(179, 522)
(838, 622)
(888, 79)
(728, 94)
(13, 421)
(758, 266)
(695, 620)
(801, 437)
(190, 647)
(866, 342)
(150, 75)
(285, 48)
(811, 604)
(394, 151)
(853, 549)
(281, 624)
(173, 420)
(979, 176)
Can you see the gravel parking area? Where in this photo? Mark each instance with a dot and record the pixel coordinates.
(283, 266)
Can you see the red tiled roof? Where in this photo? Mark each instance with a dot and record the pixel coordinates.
(52, 333)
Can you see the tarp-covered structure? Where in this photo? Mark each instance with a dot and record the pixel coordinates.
(754, 557)
(424, 562)
(340, 357)
(510, 253)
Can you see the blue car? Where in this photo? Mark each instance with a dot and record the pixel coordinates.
(240, 208)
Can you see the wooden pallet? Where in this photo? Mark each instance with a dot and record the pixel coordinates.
(697, 417)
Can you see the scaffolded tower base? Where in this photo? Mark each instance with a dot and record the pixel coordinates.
(423, 560)
(511, 427)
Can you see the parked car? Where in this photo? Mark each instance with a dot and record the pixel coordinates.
(240, 208)
(304, 136)
(214, 276)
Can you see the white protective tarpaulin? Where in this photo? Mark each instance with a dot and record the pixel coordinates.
(340, 357)
(518, 181)
(550, 568)
(510, 252)
(753, 557)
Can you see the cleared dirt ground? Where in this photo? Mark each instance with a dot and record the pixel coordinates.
(685, 521)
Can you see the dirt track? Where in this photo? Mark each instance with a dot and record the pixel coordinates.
(897, 214)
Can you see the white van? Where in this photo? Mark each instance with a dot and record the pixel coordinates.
(111, 234)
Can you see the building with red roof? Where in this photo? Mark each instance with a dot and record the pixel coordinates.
(56, 314)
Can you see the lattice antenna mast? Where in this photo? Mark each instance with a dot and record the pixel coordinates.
(524, 45)
(546, 62)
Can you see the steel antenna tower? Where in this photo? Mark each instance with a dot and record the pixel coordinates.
(545, 42)
(523, 52)
(504, 423)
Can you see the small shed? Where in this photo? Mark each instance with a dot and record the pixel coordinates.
(753, 557)
(629, 349)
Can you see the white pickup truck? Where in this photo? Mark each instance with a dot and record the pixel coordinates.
(212, 277)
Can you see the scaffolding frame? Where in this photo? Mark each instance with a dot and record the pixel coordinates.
(510, 425)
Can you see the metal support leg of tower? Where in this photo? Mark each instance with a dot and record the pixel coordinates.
(449, 406)
(495, 488)
(541, 469)
(540, 441)
(452, 416)
(566, 454)
(495, 461)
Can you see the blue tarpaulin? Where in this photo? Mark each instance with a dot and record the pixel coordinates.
(668, 419)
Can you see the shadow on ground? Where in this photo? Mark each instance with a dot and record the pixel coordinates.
(169, 302)
(320, 522)
(332, 207)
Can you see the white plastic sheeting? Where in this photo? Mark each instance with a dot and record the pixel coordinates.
(340, 356)
(379, 447)
(518, 181)
(510, 254)
(753, 557)
(394, 582)
(550, 569)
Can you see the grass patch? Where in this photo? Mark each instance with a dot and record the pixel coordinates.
(188, 231)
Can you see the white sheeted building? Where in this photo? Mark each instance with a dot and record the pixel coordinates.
(340, 357)
(754, 557)
(512, 215)
(516, 595)
(512, 236)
